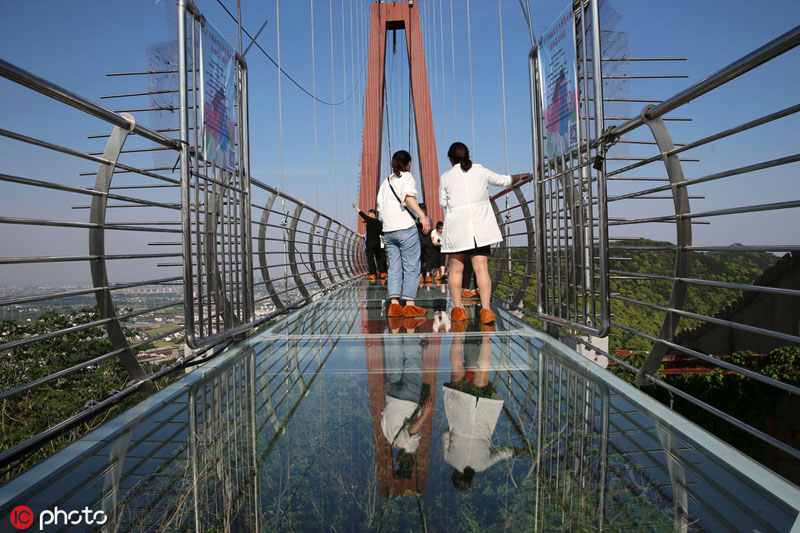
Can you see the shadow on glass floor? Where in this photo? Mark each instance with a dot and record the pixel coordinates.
(404, 430)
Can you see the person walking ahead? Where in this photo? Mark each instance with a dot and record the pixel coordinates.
(470, 226)
(397, 199)
(372, 242)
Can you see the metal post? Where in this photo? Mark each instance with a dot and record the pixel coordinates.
(262, 251)
(186, 223)
(683, 228)
(325, 261)
(292, 256)
(97, 248)
(311, 234)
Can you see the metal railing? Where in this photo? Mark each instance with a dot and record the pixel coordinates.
(133, 216)
(686, 330)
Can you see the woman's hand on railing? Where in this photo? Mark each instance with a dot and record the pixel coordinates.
(517, 178)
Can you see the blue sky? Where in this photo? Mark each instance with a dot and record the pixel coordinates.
(75, 42)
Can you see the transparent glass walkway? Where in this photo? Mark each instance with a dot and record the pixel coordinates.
(320, 422)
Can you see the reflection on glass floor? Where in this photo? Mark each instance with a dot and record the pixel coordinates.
(336, 419)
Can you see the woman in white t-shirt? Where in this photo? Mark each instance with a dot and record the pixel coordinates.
(470, 226)
(397, 199)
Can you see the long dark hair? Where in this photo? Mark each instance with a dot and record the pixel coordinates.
(400, 161)
(459, 153)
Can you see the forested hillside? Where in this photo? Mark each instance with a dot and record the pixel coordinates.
(738, 267)
(742, 267)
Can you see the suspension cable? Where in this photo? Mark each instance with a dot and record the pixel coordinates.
(435, 64)
(453, 65)
(441, 50)
(503, 88)
(280, 99)
(346, 127)
(333, 97)
(353, 107)
(280, 130)
(471, 99)
(280, 69)
(314, 89)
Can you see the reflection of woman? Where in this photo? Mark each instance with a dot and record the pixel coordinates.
(472, 408)
(470, 227)
(407, 399)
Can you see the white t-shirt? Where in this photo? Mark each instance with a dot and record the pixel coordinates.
(396, 216)
(393, 422)
(436, 237)
(470, 220)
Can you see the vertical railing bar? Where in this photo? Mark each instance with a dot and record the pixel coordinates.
(185, 192)
(198, 240)
(602, 198)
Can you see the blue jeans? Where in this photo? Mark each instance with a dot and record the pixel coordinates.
(402, 250)
(403, 355)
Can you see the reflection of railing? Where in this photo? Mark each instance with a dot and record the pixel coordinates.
(515, 276)
(562, 414)
(207, 447)
(599, 459)
(293, 252)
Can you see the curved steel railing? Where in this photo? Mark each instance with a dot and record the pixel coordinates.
(684, 331)
(132, 215)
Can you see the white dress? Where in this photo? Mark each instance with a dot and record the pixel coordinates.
(470, 220)
(468, 441)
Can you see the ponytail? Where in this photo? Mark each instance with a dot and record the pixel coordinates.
(459, 153)
(400, 161)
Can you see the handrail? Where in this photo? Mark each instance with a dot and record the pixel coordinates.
(290, 293)
(512, 283)
(56, 92)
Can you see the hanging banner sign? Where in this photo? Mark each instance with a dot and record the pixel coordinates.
(218, 92)
(559, 85)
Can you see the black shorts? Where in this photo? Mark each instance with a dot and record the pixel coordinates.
(479, 250)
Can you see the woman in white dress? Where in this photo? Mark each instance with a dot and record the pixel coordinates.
(470, 226)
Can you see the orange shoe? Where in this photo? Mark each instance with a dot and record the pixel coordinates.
(428, 279)
(395, 322)
(438, 279)
(458, 314)
(395, 310)
(460, 326)
(410, 311)
(488, 328)
(422, 280)
(466, 293)
(383, 275)
(487, 316)
(413, 323)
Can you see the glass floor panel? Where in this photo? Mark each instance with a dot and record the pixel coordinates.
(312, 424)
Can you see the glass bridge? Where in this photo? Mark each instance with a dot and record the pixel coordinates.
(292, 429)
(290, 401)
